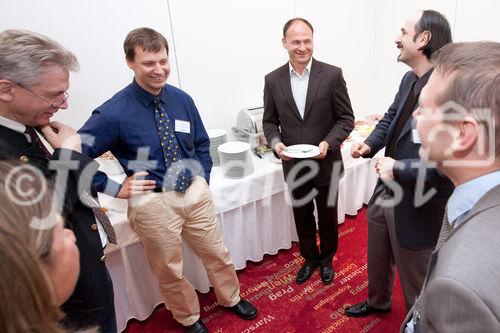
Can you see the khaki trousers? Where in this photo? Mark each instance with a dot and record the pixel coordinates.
(162, 221)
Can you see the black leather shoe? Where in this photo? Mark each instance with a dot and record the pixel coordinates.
(362, 309)
(244, 309)
(305, 272)
(327, 274)
(197, 327)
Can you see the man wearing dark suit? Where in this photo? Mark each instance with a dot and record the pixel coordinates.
(34, 78)
(458, 125)
(404, 213)
(306, 102)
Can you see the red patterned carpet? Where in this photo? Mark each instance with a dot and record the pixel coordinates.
(287, 307)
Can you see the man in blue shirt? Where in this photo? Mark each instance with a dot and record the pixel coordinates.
(458, 124)
(157, 135)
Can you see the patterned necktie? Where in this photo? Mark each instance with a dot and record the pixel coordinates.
(177, 177)
(98, 212)
(444, 234)
(35, 139)
(446, 230)
(105, 223)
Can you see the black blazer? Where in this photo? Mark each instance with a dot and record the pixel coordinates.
(93, 296)
(328, 114)
(416, 227)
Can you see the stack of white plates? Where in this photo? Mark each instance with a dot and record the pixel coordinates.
(236, 159)
(217, 137)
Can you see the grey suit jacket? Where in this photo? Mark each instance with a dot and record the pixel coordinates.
(328, 114)
(462, 293)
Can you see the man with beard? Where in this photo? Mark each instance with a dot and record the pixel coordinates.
(404, 213)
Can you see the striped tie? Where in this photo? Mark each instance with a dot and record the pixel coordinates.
(444, 234)
(446, 230)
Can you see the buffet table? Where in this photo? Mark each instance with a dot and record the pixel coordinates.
(256, 218)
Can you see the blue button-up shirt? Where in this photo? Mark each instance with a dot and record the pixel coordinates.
(126, 126)
(468, 194)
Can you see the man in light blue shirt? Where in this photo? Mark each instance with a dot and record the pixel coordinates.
(460, 110)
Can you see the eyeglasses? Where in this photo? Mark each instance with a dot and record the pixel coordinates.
(55, 105)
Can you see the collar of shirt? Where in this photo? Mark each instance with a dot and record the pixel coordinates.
(21, 128)
(421, 82)
(465, 196)
(145, 97)
(308, 69)
(13, 125)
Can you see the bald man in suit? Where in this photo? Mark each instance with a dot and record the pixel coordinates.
(306, 102)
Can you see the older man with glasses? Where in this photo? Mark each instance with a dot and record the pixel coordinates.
(34, 79)
(55, 105)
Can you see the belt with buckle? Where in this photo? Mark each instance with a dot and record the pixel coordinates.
(162, 189)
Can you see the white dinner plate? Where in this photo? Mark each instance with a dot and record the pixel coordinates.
(216, 133)
(301, 151)
(234, 147)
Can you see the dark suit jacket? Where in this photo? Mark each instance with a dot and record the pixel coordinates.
(92, 299)
(328, 114)
(416, 227)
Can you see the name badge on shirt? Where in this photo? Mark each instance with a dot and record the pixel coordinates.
(416, 137)
(182, 126)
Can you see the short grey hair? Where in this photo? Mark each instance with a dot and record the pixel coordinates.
(24, 55)
(474, 68)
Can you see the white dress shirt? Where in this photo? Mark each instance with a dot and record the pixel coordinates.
(299, 85)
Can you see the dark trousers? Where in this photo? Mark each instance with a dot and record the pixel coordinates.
(104, 319)
(108, 324)
(305, 222)
(385, 254)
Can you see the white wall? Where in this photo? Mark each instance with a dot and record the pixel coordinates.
(390, 16)
(341, 40)
(94, 31)
(221, 49)
(225, 48)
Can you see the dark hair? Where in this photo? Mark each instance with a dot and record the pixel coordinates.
(145, 38)
(438, 26)
(289, 23)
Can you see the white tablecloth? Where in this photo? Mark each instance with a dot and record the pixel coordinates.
(255, 216)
